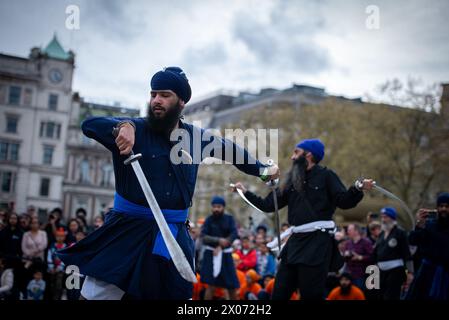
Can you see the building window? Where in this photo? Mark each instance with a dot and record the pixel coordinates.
(27, 96)
(48, 155)
(50, 130)
(53, 101)
(7, 181)
(42, 214)
(85, 171)
(4, 150)
(9, 151)
(14, 152)
(45, 187)
(14, 95)
(2, 94)
(11, 124)
(106, 180)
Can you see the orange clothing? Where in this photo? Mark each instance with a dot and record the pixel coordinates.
(242, 280)
(219, 293)
(254, 288)
(270, 286)
(197, 288)
(354, 294)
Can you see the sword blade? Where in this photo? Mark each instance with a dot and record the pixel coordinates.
(242, 195)
(401, 202)
(276, 211)
(176, 253)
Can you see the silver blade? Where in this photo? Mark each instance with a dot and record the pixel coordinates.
(242, 195)
(394, 197)
(276, 210)
(176, 253)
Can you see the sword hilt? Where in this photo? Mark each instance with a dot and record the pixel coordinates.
(131, 156)
(270, 183)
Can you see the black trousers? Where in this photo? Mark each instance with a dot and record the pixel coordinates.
(391, 282)
(311, 281)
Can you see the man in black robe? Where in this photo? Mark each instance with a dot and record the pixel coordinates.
(431, 236)
(392, 254)
(312, 193)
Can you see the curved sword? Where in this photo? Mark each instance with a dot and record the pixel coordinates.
(401, 202)
(391, 195)
(242, 195)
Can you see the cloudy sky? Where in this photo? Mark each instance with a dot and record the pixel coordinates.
(236, 44)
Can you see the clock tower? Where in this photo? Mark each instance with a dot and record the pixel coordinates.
(35, 104)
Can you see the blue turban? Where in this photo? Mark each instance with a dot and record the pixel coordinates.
(218, 200)
(390, 212)
(315, 146)
(443, 198)
(174, 79)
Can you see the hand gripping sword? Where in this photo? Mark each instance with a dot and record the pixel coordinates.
(273, 185)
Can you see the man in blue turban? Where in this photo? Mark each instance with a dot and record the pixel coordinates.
(312, 193)
(392, 255)
(217, 267)
(127, 255)
(170, 91)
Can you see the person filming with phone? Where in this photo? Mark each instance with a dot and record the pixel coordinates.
(431, 236)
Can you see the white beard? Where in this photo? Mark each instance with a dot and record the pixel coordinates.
(388, 226)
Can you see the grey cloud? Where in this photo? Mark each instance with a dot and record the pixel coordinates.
(196, 59)
(116, 19)
(287, 39)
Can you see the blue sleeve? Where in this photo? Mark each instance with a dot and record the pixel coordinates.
(100, 129)
(205, 228)
(271, 266)
(224, 149)
(234, 234)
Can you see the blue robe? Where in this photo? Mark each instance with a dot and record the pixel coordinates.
(222, 227)
(121, 251)
(431, 281)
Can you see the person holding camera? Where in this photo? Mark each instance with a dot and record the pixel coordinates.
(431, 236)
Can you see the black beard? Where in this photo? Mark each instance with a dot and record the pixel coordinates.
(345, 290)
(296, 175)
(443, 221)
(165, 124)
(217, 213)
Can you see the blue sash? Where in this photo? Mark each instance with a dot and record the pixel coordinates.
(440, 282)
(171, 216)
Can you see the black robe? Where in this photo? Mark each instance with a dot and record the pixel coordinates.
(322, 193)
